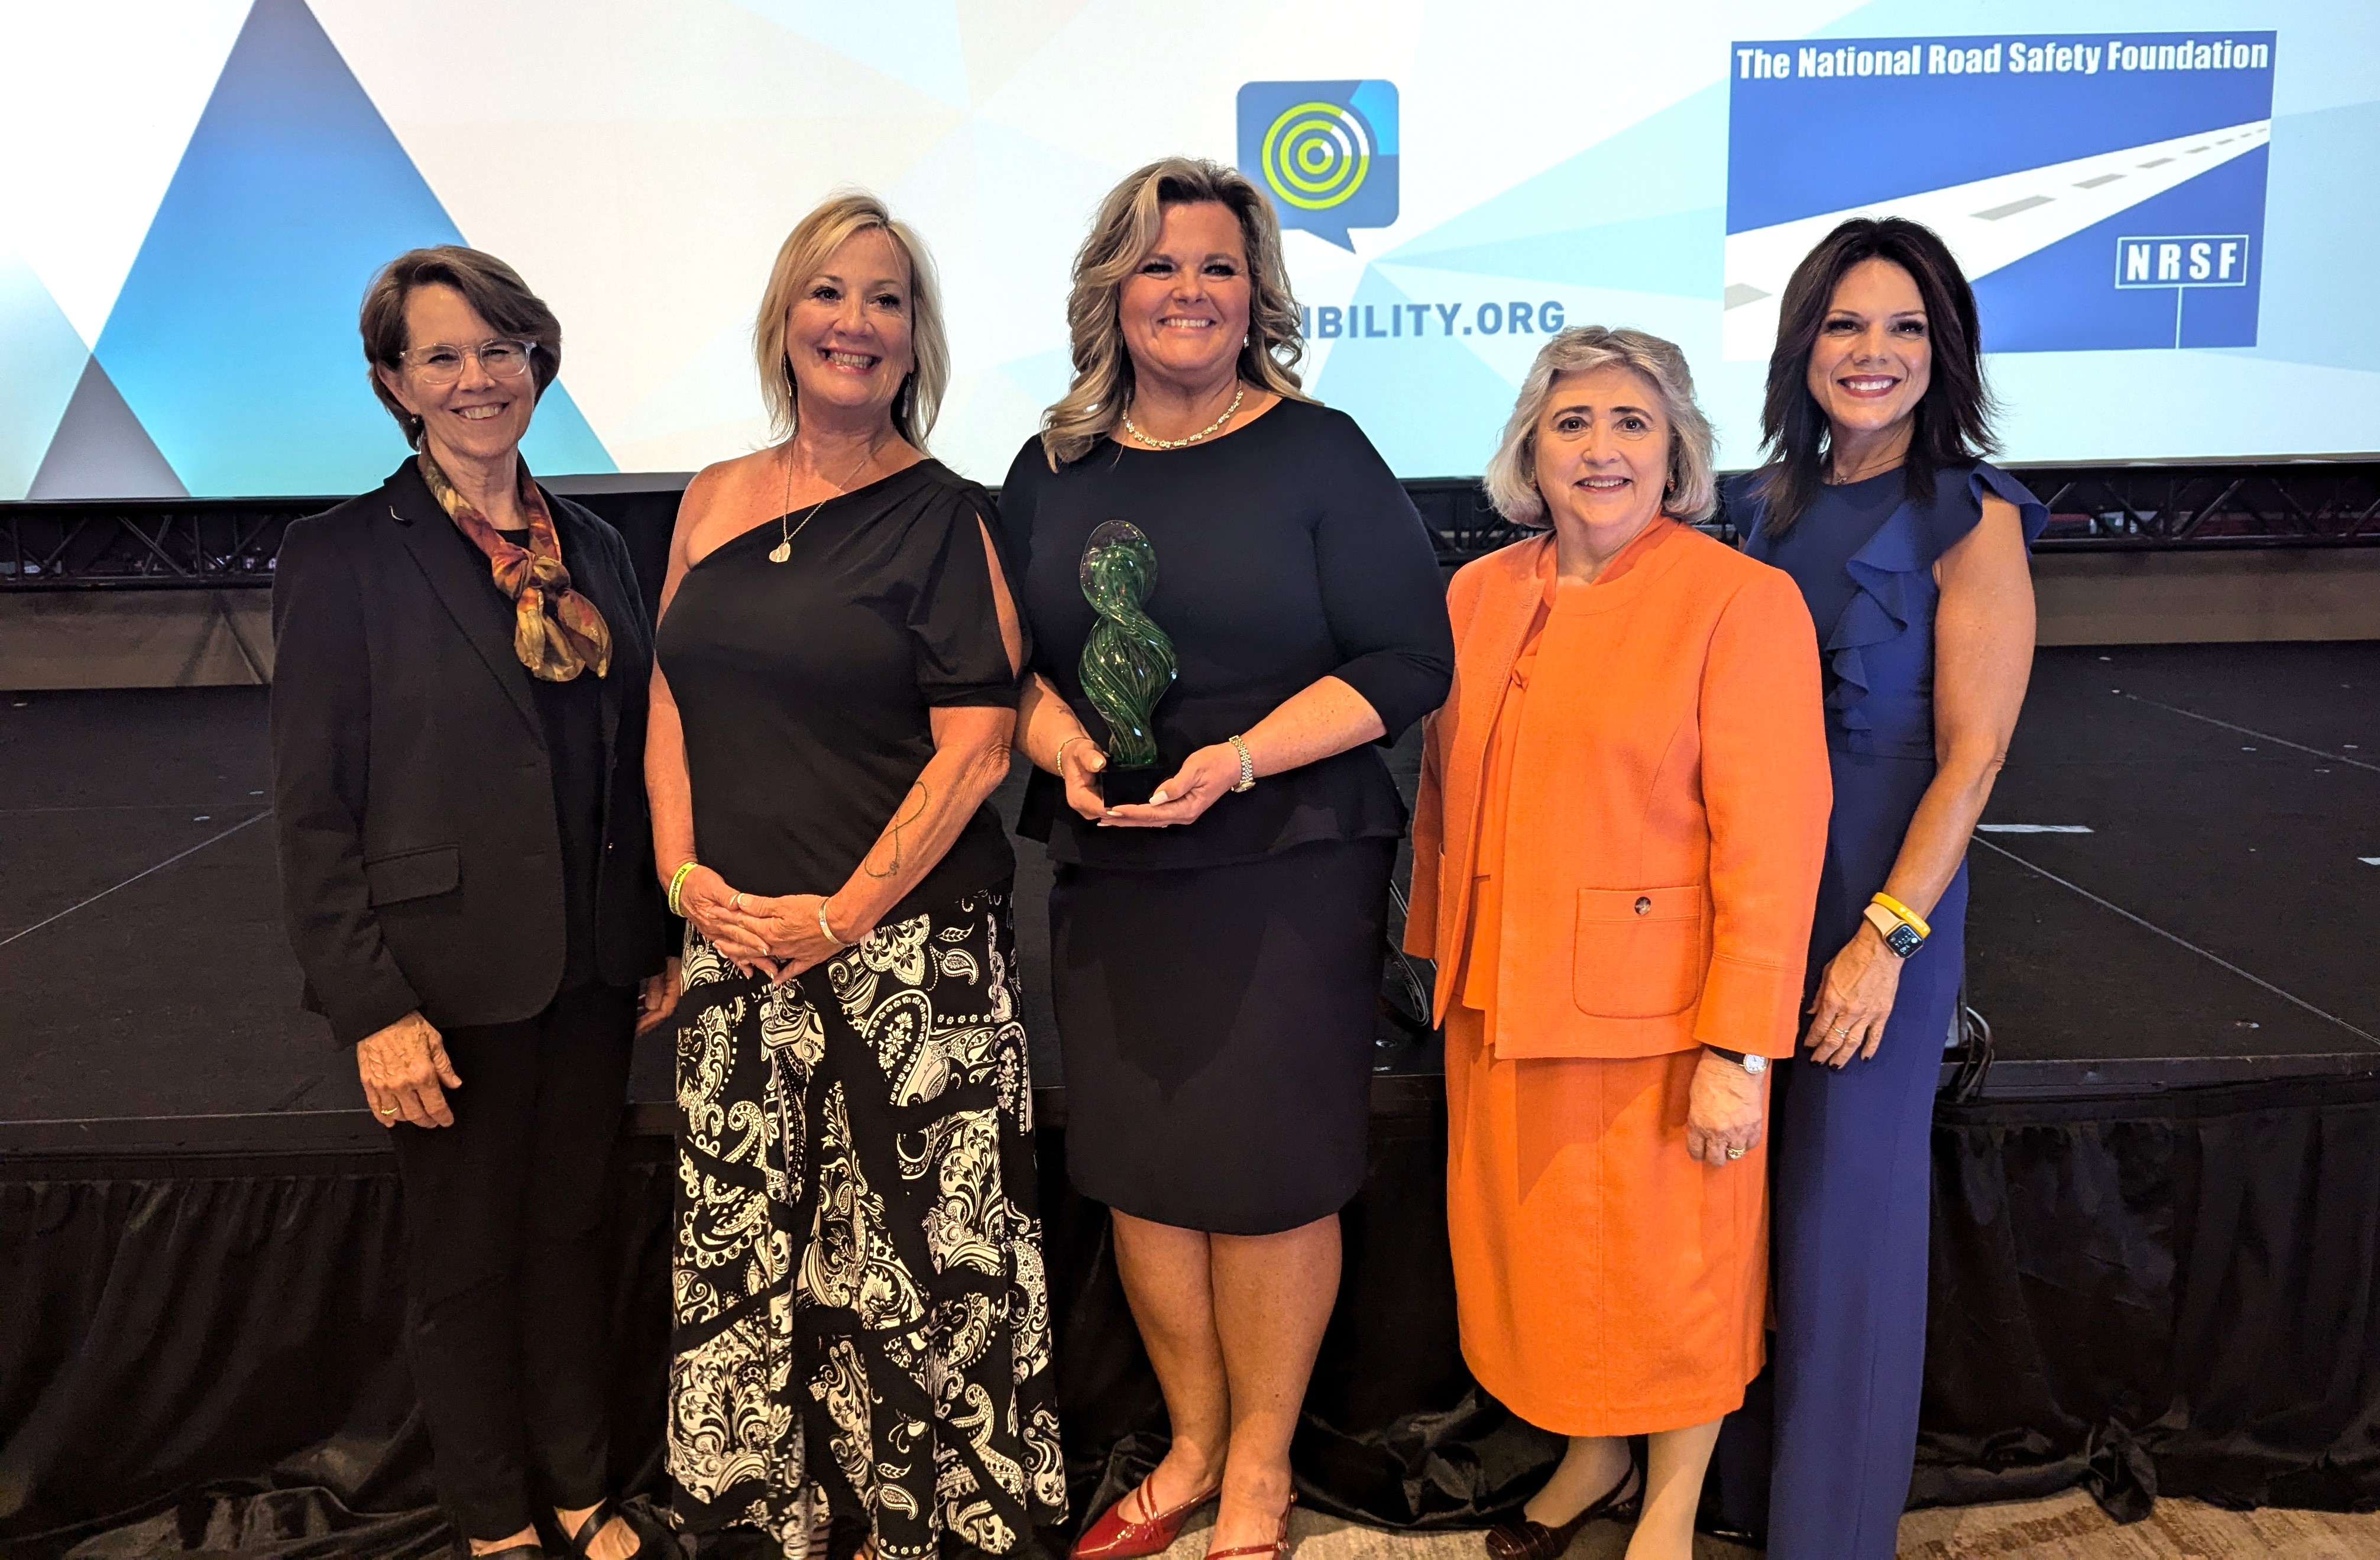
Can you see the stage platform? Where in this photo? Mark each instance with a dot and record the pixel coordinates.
(2174, 888)
(2153, 1229)
(2212, 925)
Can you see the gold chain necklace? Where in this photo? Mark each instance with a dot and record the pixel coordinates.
(1133, 429)
(785, 547)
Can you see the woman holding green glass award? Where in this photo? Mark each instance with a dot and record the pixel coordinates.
(1231, 602)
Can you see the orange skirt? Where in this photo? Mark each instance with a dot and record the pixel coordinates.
(1607, 1282)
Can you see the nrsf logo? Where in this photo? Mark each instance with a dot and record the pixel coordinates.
(2195, 259)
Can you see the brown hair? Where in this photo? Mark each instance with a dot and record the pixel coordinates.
(1121, 236)
(830, 224)
(494, 291)
(1953, 418)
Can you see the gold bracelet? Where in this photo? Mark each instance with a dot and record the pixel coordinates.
(1059, 761)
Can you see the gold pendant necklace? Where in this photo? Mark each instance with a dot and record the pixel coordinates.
(1133, 429)
(785, 547)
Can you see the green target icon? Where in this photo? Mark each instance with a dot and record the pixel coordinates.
(1325, 152)
(1317, 155)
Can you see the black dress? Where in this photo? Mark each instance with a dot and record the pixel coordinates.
(1216, 984)
(859, 1298)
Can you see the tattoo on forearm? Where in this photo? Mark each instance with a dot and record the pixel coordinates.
(924, 797)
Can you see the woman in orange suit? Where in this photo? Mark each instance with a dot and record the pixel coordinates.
(1623, 810)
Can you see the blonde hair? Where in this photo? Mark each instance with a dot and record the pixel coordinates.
(1121, 236)
(830, 225)
(1692, 493)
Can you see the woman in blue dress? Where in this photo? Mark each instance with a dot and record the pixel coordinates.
(1911, 553)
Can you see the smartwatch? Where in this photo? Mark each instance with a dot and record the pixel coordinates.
(1755, 1066)
(1899, 935)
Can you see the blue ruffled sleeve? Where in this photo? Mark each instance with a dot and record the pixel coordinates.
(1894, 572)
(1958, 505)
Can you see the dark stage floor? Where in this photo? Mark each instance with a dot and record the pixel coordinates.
(2212, 926)
(2215, 925)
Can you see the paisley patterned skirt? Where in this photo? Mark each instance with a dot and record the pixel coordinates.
(862, 1322)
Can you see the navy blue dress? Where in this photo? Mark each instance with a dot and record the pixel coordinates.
(1848, 1167)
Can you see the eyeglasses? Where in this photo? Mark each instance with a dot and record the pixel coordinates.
(443, 364)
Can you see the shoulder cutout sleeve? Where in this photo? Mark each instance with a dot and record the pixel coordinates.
(954, 618)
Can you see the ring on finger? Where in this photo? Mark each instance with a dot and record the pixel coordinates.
(1733, 1153)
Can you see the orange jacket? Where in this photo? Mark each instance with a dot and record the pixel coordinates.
(1667, 814)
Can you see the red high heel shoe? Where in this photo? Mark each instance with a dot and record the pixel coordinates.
(1120, 1535)
(1278, 1549)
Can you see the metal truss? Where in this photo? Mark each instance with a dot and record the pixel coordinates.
(1464, 526)
(2281, 504)
(2092, 509)
(145, 543)
(184, 543)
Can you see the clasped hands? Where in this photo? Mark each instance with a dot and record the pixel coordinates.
(1201, 781)
(778, 935)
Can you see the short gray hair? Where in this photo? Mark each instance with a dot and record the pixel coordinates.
(1693, 491)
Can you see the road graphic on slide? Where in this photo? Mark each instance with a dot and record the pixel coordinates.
(2100, 193)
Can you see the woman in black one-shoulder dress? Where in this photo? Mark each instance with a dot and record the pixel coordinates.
(860, 1304)
(1219, 915)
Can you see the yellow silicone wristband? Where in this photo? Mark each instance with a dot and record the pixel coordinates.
(1902, 913)
(677, 881)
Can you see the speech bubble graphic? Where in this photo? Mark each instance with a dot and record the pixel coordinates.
(1326, 151)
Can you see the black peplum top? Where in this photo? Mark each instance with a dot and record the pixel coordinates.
(1286, 552)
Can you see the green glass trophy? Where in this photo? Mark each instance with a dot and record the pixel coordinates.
(1127, 663)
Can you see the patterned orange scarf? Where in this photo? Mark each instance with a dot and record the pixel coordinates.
(557, 633)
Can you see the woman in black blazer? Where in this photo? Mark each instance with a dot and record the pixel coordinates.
(458, 729)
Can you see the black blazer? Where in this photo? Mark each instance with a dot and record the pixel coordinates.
(413, 807)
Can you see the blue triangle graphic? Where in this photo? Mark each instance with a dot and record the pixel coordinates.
(233, 340)
(100, 450)
(41, 360)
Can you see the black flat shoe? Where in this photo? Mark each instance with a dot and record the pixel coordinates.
(1526, 1540)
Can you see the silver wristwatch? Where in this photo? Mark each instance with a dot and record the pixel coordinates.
(1755, 1066)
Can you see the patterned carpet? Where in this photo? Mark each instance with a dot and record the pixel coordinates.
(2067, 1528)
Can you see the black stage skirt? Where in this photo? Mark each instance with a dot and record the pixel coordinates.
(1218, 1026)
(860, 1307)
